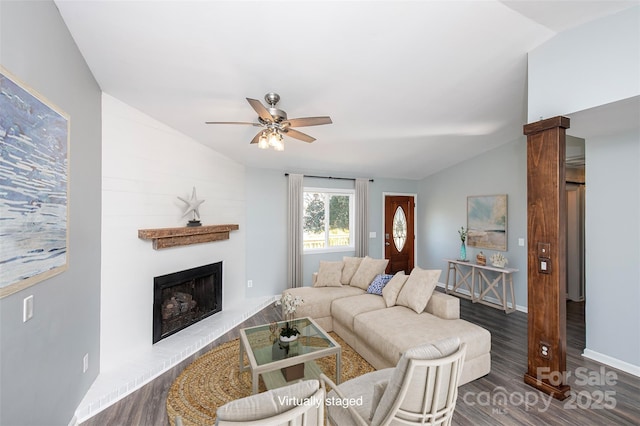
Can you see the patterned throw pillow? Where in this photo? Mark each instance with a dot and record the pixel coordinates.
(378, 284)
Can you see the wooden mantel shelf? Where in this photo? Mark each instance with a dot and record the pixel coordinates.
(172, 237)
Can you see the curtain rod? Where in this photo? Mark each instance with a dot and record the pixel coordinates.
(328, 177)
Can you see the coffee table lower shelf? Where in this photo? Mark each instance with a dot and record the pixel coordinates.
(267, 357)
(275, 379)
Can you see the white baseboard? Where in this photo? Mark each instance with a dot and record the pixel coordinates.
(612, 362)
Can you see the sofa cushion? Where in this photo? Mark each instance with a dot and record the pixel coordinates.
(443, 305)
(266, 404)
(329, 274)
(317, 300)
(345, 309)
(367, 271)
(378, 284)
(415, 293)
(398, 329)
(392, 289)
(351, 265)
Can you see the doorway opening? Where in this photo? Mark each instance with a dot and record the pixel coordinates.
(575, 191)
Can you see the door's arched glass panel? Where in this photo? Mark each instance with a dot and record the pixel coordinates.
(399, 229)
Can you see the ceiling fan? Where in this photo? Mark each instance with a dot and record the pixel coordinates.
(276, 124)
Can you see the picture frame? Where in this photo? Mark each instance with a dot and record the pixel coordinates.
(34, 177)
(487, 221)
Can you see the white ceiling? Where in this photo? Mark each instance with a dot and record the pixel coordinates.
(412, 87)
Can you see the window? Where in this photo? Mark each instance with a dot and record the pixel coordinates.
(328, 219)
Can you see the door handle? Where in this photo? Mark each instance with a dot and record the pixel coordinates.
(387, 243)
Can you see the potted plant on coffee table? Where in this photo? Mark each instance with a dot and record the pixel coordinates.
(289, 304)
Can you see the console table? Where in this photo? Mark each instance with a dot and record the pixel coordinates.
(482, 281)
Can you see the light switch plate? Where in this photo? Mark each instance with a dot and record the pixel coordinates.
(544, 265)
(27, 308)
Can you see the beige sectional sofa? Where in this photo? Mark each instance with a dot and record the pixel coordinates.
(381, 327)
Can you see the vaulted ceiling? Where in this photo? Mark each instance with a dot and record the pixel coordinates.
(412, 87)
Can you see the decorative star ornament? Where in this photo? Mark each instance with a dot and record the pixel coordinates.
(192, 205)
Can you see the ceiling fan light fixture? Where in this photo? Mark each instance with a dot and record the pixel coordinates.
(275, 123)
(263, 143)
(279, 146)
(275, 140)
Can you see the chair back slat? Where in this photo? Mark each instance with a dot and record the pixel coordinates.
(429, 391)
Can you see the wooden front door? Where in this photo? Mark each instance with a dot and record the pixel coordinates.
(399, 238)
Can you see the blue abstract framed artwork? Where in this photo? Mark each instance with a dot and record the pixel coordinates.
(34, 186)
(487, 222)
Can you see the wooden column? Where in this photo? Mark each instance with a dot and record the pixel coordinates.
(546, 234)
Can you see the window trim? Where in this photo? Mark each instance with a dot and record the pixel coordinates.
(333, 191)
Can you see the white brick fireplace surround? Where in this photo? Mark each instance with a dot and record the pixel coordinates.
(111, 386)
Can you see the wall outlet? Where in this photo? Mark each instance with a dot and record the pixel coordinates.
(85, 363)
(545, 350)
(27, 308)
(521, 242)
(250, 283)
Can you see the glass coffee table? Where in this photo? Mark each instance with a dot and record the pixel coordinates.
(272, 359)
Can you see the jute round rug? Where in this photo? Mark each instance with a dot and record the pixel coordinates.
(213, 380)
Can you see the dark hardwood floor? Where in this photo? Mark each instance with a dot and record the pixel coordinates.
(601, 395)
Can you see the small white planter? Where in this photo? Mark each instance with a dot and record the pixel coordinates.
(288, 339)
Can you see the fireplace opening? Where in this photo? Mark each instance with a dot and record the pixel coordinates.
(184, 298)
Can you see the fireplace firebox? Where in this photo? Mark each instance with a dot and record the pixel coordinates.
(184, 298)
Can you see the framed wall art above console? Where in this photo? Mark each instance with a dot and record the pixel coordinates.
(487, 221)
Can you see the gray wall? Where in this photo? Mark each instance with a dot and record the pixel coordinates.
(589, 65)
(266, 223)
(266, 195)
(41, 379)
(612, 250)
(442, 209)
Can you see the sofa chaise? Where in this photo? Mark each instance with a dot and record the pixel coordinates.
(381, 316)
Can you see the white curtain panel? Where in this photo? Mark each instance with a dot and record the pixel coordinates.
(294, 230)
(362, 218)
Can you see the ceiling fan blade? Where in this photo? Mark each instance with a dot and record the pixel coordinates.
(298, 135)
(260, 109)
(308, 121)
(246, 123)
(256, 137)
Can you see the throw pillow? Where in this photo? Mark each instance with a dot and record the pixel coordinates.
(367, 271)
(329, 274)
(392, 289)
(378, 284)
(417, 291)
(351, 265)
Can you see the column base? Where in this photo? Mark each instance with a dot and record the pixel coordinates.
(558, 392)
